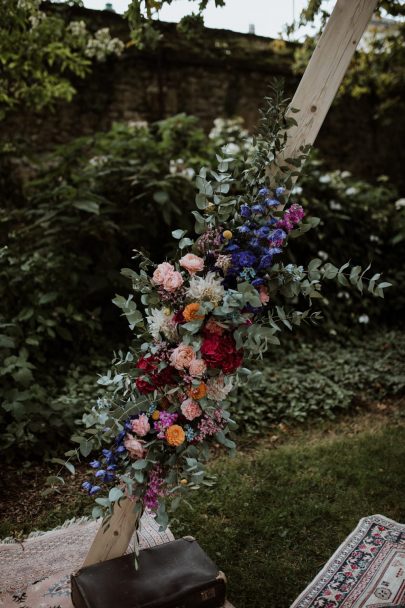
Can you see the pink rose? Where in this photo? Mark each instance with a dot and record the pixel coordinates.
(182, 356)
(264, 294)
(162, 272)
(134, 447)
(192, 263)
(173, 281)
(197, 368)
(140, 426)
(190, 409)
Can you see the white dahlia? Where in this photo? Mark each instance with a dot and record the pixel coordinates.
(207, 288)
(161, 323)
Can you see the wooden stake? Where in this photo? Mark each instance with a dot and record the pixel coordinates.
(325, 71)
(113, 541)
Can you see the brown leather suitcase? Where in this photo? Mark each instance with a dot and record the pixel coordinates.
(178, 574)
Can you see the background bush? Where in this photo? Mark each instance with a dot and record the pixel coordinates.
(71, 227)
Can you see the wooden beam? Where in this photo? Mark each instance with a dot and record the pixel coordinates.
(113, 541)
(325, 71)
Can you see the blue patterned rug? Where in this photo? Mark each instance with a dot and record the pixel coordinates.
(367, 571)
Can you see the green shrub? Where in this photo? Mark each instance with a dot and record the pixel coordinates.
(320, 378)
(65, 244)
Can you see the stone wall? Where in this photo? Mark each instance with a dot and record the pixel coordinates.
(219, 73)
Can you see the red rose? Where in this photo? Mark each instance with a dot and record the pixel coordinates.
(220, 352)
(156, 379)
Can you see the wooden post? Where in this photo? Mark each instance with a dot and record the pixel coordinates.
(313, 98)
(325, 71)
(113, 541)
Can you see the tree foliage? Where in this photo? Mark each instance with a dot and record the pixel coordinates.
(41, 54)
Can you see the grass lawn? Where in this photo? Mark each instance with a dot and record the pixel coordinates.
(280, 508)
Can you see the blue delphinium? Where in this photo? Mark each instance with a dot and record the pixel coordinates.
(258, 209)
(245, 211)
(262, 232)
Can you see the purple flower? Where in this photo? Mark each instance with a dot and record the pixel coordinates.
(258, 209)
(94, 490)
(245, 211)
(258, 282)
(265, 262)
(272, 202)
(100, 473)
(86, 485)
(292, 216)
(244, 259)
(263, 192)
(232, 247)
(120, 437)
(154, 489)
(95, 464)
(262, 232)
(244, 229)
(280, 191)
(255, 243)
(278, 235)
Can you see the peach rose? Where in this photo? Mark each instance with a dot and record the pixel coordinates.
(140, 426)
(162, 272)
(197, 368)
(172, 281)
(192, 263)
(182, 356)
(175, 435)
(190, 409)
(198, 392)
(134, 447)
(190, 313)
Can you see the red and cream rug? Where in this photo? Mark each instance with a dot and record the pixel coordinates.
(367, 571)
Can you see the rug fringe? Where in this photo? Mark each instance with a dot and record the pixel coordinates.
(10, 540)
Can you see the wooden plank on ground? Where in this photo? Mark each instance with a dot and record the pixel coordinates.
(113, 541)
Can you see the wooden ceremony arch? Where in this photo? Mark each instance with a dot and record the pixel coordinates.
(313, 98)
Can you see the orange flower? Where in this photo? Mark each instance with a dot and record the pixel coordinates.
(190, 313)
(198, 392)
(156, 415)
(175, 435)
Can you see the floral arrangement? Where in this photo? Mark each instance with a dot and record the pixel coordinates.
(222, 301)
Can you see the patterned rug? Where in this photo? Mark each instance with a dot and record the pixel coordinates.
(367, 571)
(36, 572)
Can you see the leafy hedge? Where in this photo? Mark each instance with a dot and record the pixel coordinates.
(319, 378)
(70, 229)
